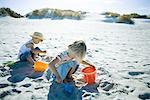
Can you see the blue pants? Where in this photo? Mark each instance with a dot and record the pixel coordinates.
(24, 56)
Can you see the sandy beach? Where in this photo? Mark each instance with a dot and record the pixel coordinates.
(120, 53)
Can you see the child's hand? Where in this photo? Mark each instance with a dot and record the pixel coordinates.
(44, 51)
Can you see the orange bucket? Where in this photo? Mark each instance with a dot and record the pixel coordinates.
(89, 75)
(40, 66)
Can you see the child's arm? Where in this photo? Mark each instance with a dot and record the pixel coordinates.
(31, 45)
(37, 51)
(54, 71)
(86, 63)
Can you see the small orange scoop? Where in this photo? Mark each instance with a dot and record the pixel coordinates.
(40, 66)
(89, 74)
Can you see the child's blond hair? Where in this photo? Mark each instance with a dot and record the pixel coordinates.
(79, 49)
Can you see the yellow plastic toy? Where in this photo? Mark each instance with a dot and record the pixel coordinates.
(40, 66)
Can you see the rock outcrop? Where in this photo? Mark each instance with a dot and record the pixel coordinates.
(124, 19)
(55, 14)
(8, 12)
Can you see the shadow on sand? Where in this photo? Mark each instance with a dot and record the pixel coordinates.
(57, 91)
(20, 70)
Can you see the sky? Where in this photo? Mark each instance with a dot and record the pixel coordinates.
(120, 6)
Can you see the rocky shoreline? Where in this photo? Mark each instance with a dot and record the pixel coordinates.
(56, 14)
(8, 12)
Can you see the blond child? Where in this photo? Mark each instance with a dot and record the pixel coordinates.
(28, 51)
(67, 62)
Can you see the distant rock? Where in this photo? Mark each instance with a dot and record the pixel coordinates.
(135, 15)
(124, 19)
(132, 15)
(55, 14)
(8, 12)
(111, 14)
(112, 17)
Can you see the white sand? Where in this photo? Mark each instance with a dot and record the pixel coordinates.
(120, 53)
